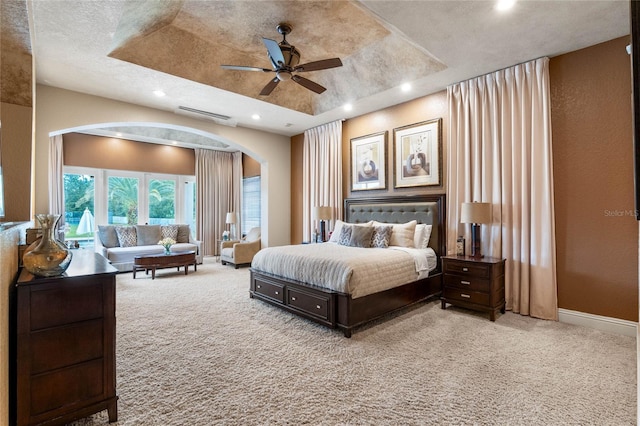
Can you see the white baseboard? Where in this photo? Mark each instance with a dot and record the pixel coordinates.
(608, 324)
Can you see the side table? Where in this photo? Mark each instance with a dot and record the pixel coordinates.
(474, 283)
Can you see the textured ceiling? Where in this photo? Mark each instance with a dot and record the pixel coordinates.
(191, 39)
(126, 49)
(16, 64)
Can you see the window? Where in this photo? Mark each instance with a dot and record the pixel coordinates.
(122, 197)
(250, 203)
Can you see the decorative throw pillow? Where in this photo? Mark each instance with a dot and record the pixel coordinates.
(169, 231)
(148, 234)
(361, 236)
(381, 236)
(127, 236)
(183, 234)
(422, 236)
(345, 234)
(108, 236)
(402, 235)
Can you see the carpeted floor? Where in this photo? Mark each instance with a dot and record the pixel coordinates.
(196, 350)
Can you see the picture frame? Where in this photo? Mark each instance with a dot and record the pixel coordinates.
(418, 154)
(369, 162)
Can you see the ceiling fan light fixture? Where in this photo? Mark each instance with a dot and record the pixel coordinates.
(283, 75)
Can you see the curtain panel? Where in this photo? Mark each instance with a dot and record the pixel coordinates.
(218, 188)
(322, 175)
(500, 152)
(56, 178)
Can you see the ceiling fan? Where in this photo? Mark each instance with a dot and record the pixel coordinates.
(285, 60)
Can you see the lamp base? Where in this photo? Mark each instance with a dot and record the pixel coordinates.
(322, 231)
(475, 241)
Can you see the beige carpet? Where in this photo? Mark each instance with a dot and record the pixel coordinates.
(196, 350)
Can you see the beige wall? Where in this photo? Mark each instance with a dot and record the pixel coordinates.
(120, 154)
(596, 231)
(60, 111)
(592, 148)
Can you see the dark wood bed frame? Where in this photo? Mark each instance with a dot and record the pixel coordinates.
(339, 310)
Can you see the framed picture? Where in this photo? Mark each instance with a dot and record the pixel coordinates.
(368, 162)
(418, 154)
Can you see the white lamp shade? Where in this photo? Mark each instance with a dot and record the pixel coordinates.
(231, 217)
(322, 212)
(475, 213)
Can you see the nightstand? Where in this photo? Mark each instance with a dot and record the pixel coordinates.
(474, 283)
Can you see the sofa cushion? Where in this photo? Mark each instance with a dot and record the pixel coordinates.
(108, 236)
(126, 236)
(148, 234)
(169, 231)
(183, 234)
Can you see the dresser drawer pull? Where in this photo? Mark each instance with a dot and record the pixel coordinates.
(465, 295)
(277, 292)
(465, 269)
(293, 299)
(465, 282)
(258, 286)
(318, 307)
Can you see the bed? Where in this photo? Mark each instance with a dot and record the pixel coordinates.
(345, 306)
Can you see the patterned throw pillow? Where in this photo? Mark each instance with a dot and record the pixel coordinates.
(345, 235)
(127, 236)
(169, 231)
(381, 236)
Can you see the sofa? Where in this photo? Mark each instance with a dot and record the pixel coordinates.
(121, 244)
(239, 253)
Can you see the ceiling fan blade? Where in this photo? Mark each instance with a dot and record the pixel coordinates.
(319, 65)
(243, 68)
(315, 87)
(269, 87)
(274, 52)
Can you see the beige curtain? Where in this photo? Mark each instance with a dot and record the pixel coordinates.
(500, 152)
(322, 175)
(218, 187)
(56, 178)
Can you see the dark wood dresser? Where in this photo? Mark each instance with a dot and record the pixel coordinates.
(474, 283)
(65, 343)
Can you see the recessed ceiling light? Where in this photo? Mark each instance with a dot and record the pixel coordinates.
(348, 107)
(405, 87)
(159, 93)
(174, 142)
(118, 134)
(503, 5)
(256, 116)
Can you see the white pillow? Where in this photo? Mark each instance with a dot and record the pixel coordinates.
(402, 235)
(422, 235)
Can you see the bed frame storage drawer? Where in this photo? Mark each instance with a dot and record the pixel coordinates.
(313, 304)
(269, 289)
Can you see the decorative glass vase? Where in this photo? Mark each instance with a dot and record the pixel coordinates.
(167, 249)
(50, 257)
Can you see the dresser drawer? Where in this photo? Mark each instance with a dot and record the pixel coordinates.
(464, 268)
(313, 304)
(468, 282)
(270, 290)
(467, 296)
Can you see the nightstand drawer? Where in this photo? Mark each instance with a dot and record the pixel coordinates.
(467, 296)
(468, 283)
(464, 268)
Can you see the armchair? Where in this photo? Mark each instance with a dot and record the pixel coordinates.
(240, 253)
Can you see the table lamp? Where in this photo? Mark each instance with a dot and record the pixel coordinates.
(232, 220)
(322, 213)
(475, 214)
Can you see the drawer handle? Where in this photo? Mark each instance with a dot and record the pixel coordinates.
(465, 295)
(277, 292)
(293, 299)
(465, 269)
(465, 282)
(318, 307)
(259, 286)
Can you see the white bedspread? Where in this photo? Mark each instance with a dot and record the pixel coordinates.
(352, 270)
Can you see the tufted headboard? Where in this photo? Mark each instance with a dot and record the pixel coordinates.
(428, 209)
